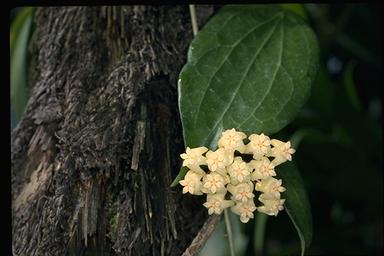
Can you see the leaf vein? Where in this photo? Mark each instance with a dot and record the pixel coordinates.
(272, 80)
(224, 60)
(241, 81)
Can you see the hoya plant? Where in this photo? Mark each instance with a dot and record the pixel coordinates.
(249, 71)
(124, 142)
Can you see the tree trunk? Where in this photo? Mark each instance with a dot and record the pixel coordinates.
(98, 146)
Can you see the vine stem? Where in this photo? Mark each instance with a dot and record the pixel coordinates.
(193, 19)
(229, 232)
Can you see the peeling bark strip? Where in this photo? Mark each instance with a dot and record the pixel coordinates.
(205, 232)
(103, 103)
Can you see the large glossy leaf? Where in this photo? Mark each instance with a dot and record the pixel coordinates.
(296, 204)
(250, 68)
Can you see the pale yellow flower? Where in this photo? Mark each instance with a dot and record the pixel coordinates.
(259, 145)
(230, 173)
(192, 183)
(219, 159)
(214, 182)
(263, 169)
(193, 158)
(235, 182)
(271, 187)
(245, 210)
(216, 203)
(239, 170)
(232, 140)
(271, 206)
(282, 151)
(242, 191)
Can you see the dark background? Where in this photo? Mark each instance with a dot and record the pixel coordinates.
(339, 136)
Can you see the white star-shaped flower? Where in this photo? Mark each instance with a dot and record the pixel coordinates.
(192, 183)
(239, 170)
(232, 140)
(193, 158)
(214, 182)
(271, 187)
(282, 151)
(242, 191)
(259, 145)
(263, 169)
(271, 206)
(245, 210)
(219, 159)
(216, 203)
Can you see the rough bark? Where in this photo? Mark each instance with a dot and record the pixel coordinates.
(98, 146)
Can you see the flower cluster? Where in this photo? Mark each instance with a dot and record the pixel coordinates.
(226, 171)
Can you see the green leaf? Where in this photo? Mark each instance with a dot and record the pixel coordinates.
(296, 8)
(250, 68)
(183, 171)
(18, 23)
(20, 33)
(296, 205)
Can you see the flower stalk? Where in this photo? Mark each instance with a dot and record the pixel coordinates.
(192, 11)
